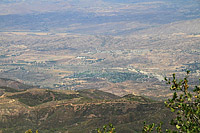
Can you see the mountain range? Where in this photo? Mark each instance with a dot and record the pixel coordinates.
(107, 17)
(75, 111)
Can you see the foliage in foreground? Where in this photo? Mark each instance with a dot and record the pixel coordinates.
(106, 129)
(30, 131)
(185, 103)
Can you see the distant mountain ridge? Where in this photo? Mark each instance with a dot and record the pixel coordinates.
(93, 17)
(13, 84)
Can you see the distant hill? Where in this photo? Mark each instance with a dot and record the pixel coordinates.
(107, 17)
(76, 111)
(13, 84)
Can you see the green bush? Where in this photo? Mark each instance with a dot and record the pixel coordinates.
(185, 104)
(30, 131)
(106, 129)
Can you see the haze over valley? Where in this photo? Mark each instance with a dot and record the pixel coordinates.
(76, 65)
(118, 47)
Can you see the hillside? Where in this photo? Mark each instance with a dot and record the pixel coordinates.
(8, 83)
(76, 111)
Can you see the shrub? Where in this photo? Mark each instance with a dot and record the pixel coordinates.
(185, 104)
(106, 129)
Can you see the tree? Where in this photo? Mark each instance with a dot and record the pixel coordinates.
(185, 103)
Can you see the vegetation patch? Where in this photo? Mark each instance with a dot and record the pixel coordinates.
(96, 94)
(111, 76)
(131, 97)
(12, 90)
(32, 99)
